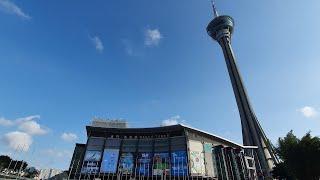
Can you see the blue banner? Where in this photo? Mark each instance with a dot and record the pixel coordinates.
(144, 164)
(92, 156)
(179, 165)
(109, 162)
(126, 163)
(91, 162)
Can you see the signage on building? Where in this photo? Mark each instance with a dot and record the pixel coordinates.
(144, 164)
(91, 162)
(109, 162)
(161, 164)
(126, 163)
(179, 165)
(196, 158)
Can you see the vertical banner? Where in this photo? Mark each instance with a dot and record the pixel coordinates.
(161, 164)
(91, 162)
(109, 161)
(179, 166)
(126, 163)
(144, 164)
(210, 164)
(196, 158)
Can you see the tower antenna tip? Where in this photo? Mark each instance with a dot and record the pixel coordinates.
(215, 12)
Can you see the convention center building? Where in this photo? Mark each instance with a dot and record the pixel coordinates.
(114, 151)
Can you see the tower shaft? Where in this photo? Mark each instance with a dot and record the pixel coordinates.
(220, 29)
(252, 132)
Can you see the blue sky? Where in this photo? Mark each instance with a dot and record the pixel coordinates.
(64, 62)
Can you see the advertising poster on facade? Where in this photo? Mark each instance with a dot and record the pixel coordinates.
(109, 162)
(90, 168)
(161, 164)
(197, 163)
(210, 166)
(197, 166)
(144, 164)
(92, 156)
(91, 162)
(207, 147)
(126, 163)
(179, 165)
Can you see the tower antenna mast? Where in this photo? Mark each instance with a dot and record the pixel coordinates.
(215, 12)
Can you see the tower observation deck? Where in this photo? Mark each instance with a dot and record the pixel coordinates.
(221, 29)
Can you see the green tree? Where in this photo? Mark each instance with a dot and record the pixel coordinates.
(280, 171)
(4, 161)
(300, 157)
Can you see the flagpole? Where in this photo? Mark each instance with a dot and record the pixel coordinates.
(171, 168)
(100, 166)
(167, 166)
(71, 167)
(162, 171)
(80, 173)
(76, 169)
(197, 175)
(152, 168)
(22, 162)
(144, 168)
(135, 168)
(17, 160)
(15, 151)
(95, 170)
(182, 167)
(203, 170)
(86, 172)
(90, 170)
(31, 154)
(139, 168)
(187, 166)
(118, 169)
(74, 176)
(120, 172)
(70, 170)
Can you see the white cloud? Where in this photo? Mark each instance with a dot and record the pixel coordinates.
(28, 118)
(152, 37)
(17, 140)
(32, 127)
(6, 122)
(29, 125)
(172, 121)
(97, 43)
(9, 7)
(26, 124)
(69, 137)
(308, 111)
